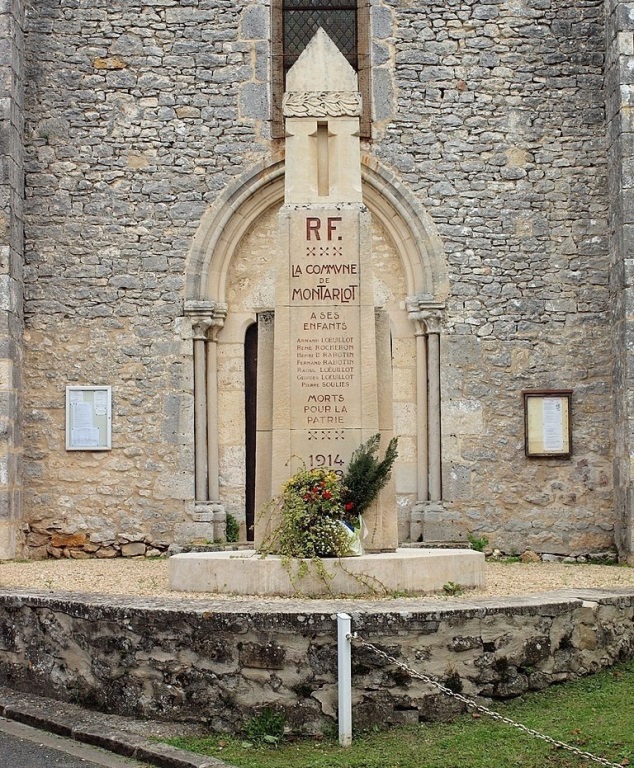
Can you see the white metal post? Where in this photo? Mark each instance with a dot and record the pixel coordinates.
(344, 678)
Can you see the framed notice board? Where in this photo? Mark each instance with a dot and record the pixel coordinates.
(548, 423)
(88, 418)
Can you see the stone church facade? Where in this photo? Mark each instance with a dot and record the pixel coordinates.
(142, 176)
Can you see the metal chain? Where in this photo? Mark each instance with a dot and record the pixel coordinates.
(470, 704)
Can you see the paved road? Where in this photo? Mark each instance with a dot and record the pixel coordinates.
(25, 747)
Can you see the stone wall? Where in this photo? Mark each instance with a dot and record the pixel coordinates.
(140, 116)
(11, 271)
(500, 130)
(134, 124)
(217, 663)
(619, 59)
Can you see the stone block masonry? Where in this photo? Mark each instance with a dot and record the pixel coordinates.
(134, 126)
(499, 128)
(139, 117)
(11, 271)
(619, 60)
(216, 662)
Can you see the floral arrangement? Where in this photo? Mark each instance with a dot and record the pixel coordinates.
(312, 511)
(321, 510)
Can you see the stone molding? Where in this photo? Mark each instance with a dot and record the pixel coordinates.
(230, 217)
(322, 104)
(204, 511)
(426, 320)
(213, 513)
(207, 318)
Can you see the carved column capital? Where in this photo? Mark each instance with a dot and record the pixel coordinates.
(217, 321)
(207, 318)
(420, 329)
(425, 313)
(200, 326)
(426, 322)
(433, 321)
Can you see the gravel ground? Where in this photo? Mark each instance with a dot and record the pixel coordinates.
(143, 577)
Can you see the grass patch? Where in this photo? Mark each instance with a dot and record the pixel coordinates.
(594, 714)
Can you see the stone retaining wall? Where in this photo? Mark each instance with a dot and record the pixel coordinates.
(217, 662)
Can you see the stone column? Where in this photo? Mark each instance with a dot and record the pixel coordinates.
(264, 421)
(427, 324)
(207, 319)
(421, 409)
(425, 315)
(433, 370)
(200, 327)
(11, 265)
(217, 321)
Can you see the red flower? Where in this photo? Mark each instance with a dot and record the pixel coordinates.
(327, 495)
(349, 506)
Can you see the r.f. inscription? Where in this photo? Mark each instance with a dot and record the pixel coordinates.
(314, 224)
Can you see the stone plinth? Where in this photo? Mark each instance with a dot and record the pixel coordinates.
(422, 571)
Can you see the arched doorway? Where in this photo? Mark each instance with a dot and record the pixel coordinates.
(250, 424)
(232, 256)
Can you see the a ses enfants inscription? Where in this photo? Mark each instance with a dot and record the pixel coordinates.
(324, 299)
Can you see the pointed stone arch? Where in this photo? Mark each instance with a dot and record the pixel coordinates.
(216, 243)
(225, 223)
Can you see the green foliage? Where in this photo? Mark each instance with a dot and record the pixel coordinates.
(311, 512)
(366, 474)
(453, 681)
(479, 543)
(452, 589)
(594, 714)
(318, 509)
(232, 530)
(266, 727)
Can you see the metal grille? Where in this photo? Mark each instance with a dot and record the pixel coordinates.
(302, 18)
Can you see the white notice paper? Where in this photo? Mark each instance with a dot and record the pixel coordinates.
(553, 425)
(82, 416)
(85, 438)
(75, 396)
(101, 402)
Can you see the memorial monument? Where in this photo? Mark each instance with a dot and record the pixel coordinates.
(330, 342)
(331, 349)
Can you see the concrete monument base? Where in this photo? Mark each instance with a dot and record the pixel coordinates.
(422, 571)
